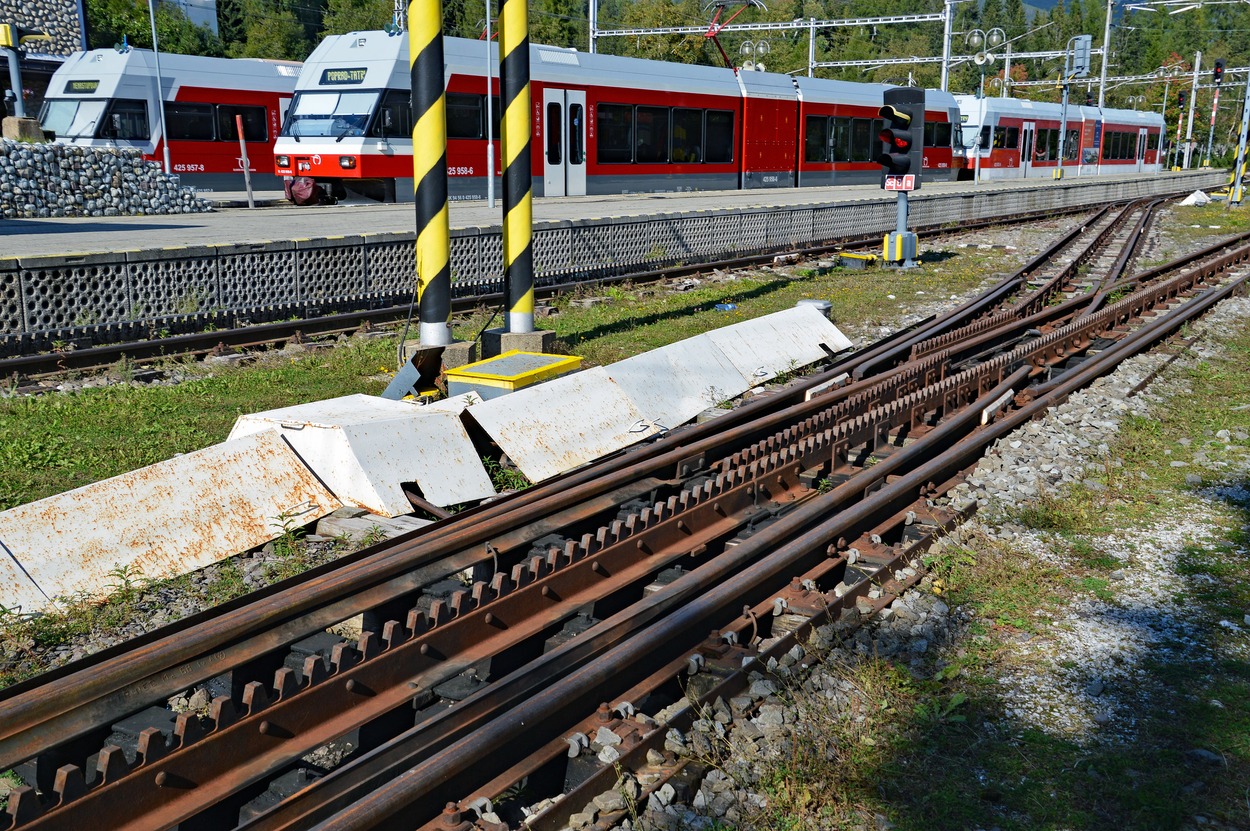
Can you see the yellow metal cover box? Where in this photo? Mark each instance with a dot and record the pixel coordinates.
(508, 372)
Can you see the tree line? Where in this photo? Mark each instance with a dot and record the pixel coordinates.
(1141, 41)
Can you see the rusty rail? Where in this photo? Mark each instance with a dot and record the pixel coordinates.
(750, 481)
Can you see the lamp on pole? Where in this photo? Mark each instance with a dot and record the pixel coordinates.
(490, 117)
(976, 39)
(753, 51)
(160, 87)
(984, 41)
(1167, 73)
(1106, 55)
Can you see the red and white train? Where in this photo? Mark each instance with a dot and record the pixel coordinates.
(602, 124)
(106, 98)
(1019, 139)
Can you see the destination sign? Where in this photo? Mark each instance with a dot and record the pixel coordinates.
(82, 86)
(352, 75)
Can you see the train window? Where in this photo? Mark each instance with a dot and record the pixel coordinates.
(718, 146)
(651, 126)
(464, 116)
(1152, 141)
(937, 134)
(840, 143)
(687, 135)
(126, 120)
(817, 142)
(1072, 145)
(1013, 138)
(555, 112)
(863, 140)
(189, 122)
(394, 116)
(254, 128)
(615, 140)
(71, 117)
(577, 125)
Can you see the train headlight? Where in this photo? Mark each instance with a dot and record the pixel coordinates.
(284, 161)
(347, 162)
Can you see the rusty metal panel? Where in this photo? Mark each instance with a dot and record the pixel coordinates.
(364, 447)
(768, 346)
(169, 518)
(549, 428)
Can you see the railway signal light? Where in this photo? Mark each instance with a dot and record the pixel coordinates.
(1217, 74)
(1181, 97)
(1089, 98)
(902, 137)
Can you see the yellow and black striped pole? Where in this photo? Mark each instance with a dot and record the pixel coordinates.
(518, 205)
(429, 170)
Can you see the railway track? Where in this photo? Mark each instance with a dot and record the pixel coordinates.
(560, 636)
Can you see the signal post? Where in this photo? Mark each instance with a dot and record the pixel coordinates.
(12, 38)
(902, 153)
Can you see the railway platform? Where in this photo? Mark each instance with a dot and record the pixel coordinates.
(95, 280)
(74, 236)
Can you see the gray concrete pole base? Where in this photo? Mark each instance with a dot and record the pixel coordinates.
(457, 353)
(425, 364)
(22, 129)
(495, 342)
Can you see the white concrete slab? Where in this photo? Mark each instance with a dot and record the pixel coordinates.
(363, 447)
(768, 346)
(553, 427)
(556, 426)
(674, 383)
(164, 519)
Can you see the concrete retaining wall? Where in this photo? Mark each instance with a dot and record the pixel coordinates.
(106, 298)
(47, 180)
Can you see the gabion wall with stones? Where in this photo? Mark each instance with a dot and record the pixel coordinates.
(111, 297)
(44, 180)
(59, 18)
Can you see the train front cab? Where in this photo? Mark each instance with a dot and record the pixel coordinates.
(104, 98)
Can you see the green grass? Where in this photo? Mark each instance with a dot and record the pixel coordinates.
(1013, 777)
(950, 757)
(638, 318)
(55, 442)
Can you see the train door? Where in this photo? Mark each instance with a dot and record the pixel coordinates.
(1027, 131)
(1141, 149)
(564, 142)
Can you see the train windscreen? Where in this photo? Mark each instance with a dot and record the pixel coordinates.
(330, 114)
(72, 117)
